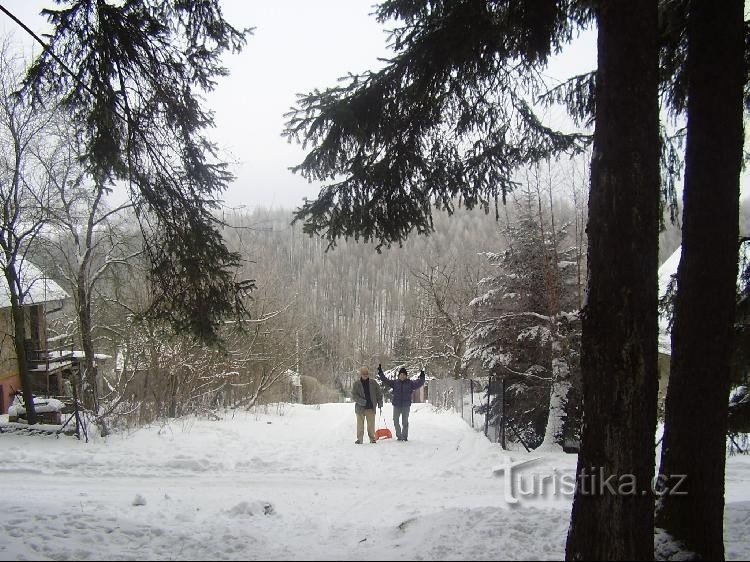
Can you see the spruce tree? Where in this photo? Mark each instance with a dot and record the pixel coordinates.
(619, 342)
(129, 76)
(698, 391)
(518, 336)
(445, 122)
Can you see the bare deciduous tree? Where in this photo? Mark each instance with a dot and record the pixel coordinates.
(25, 199)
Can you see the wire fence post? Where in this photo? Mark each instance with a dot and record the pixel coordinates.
(471, 387)
(487, 413)
(503, 441)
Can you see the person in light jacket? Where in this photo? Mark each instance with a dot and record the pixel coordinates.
(403, 387)
(366, 394)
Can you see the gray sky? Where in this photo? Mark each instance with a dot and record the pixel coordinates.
(298, 45)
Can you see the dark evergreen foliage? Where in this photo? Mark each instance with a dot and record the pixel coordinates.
(578, 95)
(673, 17)
(526, 318)
(130, 74)
(447, 119)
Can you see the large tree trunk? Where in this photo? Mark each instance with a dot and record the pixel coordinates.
(19, 329)
(559, 390)
(88, 378)
(698, 392)
(612, 514)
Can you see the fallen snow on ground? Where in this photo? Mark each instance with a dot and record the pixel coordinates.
(288, 482)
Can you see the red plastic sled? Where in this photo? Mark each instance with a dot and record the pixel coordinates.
(383, 433)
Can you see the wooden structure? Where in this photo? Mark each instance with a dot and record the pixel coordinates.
(42, 297)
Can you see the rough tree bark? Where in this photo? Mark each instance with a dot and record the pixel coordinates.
(698, 391)
(612, 514)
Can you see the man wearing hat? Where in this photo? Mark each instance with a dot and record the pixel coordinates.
(367, 395)
(403, 387)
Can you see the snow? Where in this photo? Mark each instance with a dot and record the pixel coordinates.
(41, 406)
(539, 333)
(667, 547)
(75, 354)
(489, 356)
(39, 289)
(739, 394)
(666, 271)
(486, 299)
(558, 393)
(287, 482)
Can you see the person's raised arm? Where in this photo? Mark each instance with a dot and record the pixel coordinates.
(420, 381)
(383, 378)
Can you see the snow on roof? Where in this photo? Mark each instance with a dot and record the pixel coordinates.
(76, 354)
(39, 289)
(666, 271)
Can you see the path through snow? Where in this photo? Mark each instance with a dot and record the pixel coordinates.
(287, 482)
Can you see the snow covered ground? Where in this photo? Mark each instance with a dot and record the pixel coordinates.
(287, 482)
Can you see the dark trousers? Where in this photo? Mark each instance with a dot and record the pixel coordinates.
(401, 421)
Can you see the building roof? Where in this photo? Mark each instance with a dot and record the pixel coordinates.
(38, 287)
(666, 271)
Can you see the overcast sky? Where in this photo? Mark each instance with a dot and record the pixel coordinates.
(297, 45)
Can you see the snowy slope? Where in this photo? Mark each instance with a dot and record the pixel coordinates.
(287, 482)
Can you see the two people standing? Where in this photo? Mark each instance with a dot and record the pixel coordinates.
(367, 395)
(403, 387)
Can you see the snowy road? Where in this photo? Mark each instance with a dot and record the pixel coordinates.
(288, 483)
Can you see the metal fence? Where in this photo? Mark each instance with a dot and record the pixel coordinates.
(469, 399)
(480, 402)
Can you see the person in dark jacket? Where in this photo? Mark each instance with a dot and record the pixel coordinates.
(367, 395)
(403, 387)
